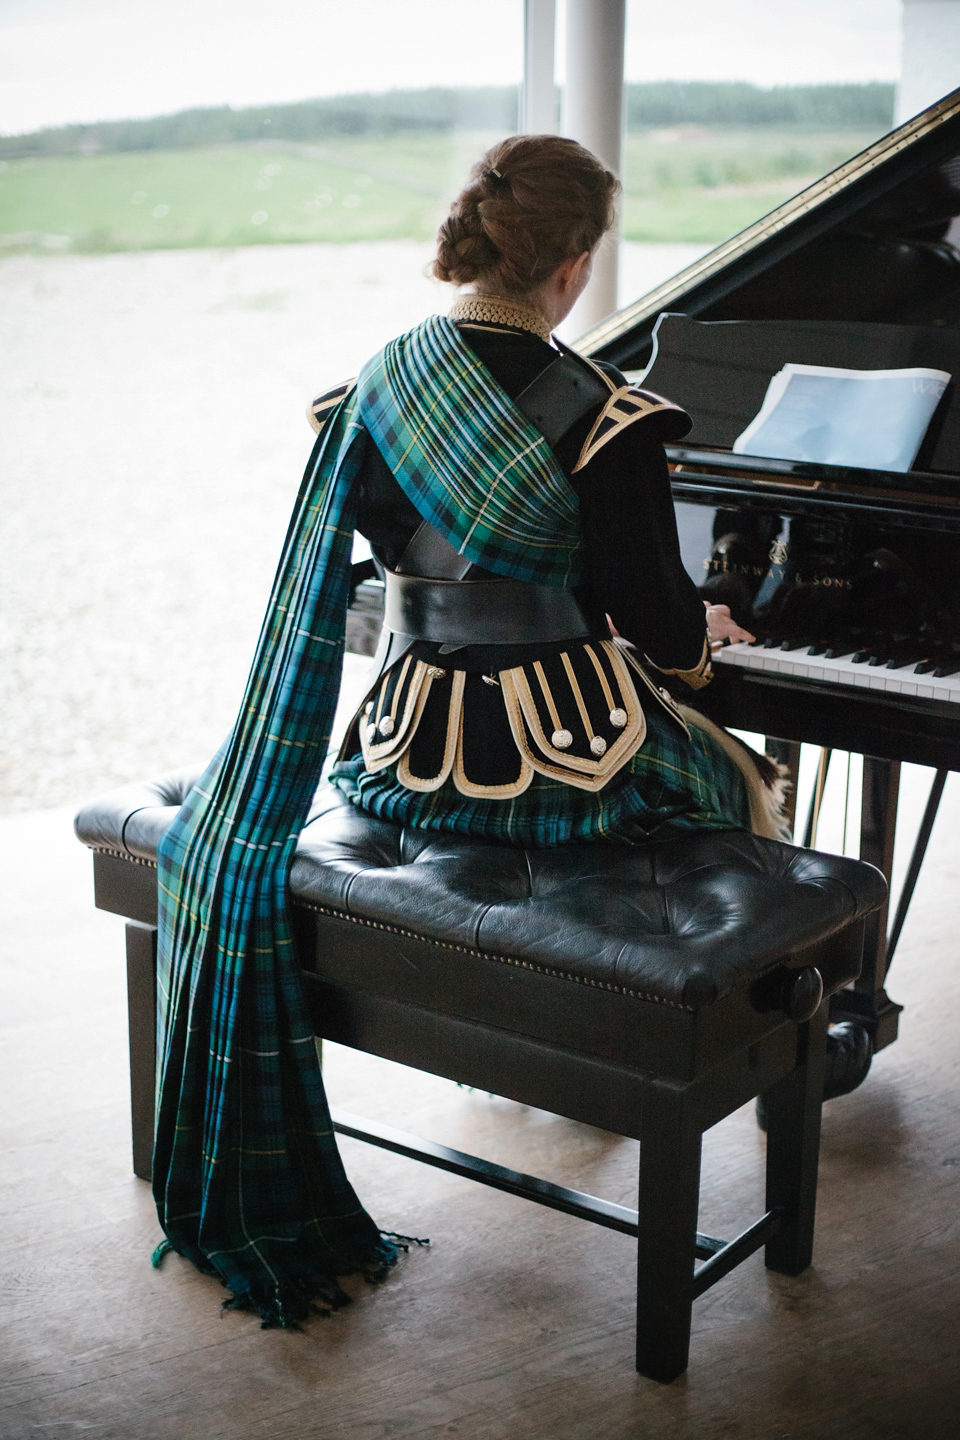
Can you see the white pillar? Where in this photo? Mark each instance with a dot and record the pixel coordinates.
(539, 105)
(593, 114)
(930, 67)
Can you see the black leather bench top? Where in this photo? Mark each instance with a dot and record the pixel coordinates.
(682, 923)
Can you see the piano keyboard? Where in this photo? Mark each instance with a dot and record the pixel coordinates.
(842, 670)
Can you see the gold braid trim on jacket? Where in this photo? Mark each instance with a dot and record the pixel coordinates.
(700, 675)
(320, 409)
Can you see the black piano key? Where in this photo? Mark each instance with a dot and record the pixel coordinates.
(795, 644)
(925, 667)
(772, 642)
(950, 667)
(869, 653)
(818, 648)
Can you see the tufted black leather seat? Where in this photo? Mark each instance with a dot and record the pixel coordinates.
(647, 990)
(686, 924)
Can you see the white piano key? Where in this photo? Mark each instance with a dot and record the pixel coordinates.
(841, 670)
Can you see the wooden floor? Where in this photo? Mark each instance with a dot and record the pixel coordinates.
(516, 1322)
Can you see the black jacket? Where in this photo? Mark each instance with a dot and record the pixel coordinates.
(632, 569)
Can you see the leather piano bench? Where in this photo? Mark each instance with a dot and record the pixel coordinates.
(647, 991)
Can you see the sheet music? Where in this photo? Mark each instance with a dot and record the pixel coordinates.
(871, 419)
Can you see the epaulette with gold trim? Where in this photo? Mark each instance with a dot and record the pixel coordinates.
(626, 406)
(320, 409)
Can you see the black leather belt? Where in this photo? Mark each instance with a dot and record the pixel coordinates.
(494, 612)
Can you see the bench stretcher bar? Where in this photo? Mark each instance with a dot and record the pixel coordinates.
(721, 1256)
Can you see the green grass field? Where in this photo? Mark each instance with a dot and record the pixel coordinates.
(703, 186)
(682, 185)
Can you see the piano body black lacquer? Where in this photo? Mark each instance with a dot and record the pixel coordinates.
(847, 576)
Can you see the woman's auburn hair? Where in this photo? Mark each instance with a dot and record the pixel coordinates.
(531, 202)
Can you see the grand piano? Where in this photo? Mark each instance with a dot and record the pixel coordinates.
(847, 576)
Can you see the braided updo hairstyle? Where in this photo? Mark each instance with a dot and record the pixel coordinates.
(532, 202)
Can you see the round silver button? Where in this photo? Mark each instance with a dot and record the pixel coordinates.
(371, 733)
(598, 745)
(618, 718)
(387, 725)
(562, 739)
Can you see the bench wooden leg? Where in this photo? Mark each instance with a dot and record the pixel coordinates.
(666, 1245)
(142, 1017)
(793, 1149)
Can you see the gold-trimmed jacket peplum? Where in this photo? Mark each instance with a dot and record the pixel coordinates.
(575, 714)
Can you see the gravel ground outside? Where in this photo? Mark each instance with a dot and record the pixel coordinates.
(152, 440)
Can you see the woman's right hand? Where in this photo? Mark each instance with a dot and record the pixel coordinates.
(722, 629)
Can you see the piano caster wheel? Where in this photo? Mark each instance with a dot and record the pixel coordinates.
(849, 1053)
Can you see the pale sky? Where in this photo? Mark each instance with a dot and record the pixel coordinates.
(79, 60)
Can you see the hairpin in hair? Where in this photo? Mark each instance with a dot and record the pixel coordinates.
(496, 179)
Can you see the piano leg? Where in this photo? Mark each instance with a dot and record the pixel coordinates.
(816, 799)
(864, 1018)
(916, 861)
(867, 1002)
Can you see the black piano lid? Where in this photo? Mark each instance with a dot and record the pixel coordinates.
(764, 272)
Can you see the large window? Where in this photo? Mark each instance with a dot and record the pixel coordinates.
(209, 212)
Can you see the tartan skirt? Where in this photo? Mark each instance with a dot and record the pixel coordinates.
(673, 784)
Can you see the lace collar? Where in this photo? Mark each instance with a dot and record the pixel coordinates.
(497, 310)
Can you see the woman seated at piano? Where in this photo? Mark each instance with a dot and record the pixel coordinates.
(517, 502)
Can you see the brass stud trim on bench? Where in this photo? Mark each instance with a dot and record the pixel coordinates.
(441, 944)
(461, 949)
(488, 955)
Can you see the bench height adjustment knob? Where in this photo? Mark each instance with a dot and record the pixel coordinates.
(802, 994)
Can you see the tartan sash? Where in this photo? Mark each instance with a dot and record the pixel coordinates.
(247, 1178)
(470, 461)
